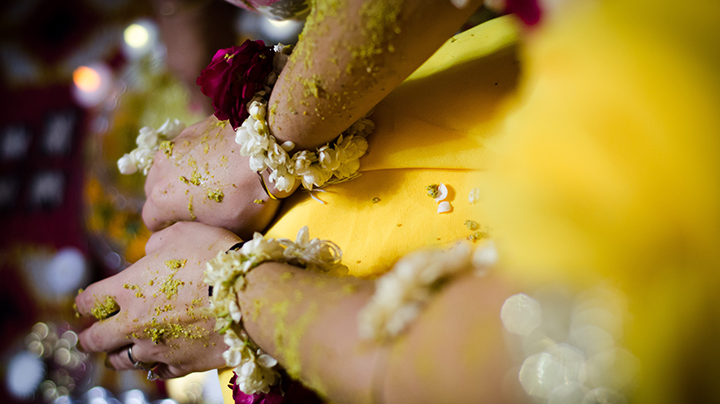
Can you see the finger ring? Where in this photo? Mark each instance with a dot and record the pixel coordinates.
(142, 366)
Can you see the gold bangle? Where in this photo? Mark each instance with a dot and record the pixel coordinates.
(265, 187)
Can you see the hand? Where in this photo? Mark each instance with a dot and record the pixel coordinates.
(158, 305)
(204, 178)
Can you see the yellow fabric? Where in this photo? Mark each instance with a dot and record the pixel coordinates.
(608, 172)
(432, 129)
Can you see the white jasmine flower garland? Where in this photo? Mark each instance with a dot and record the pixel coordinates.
(148, 142)
(226, 274)
(329, 164)
(401, 293)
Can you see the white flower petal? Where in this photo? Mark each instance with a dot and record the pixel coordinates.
(267, 361)
(148, 138)
(235, 313)
(444, 207)
(474, 195)
(442, 193)
(171, 129)
(127, 164)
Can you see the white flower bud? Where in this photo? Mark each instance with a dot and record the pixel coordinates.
(148, 138)
(171, 129)
(127, 164)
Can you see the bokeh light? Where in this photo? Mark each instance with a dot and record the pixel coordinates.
(136, 35)
(86, 78)
(24, 372)
(92, 84)
(281, 23)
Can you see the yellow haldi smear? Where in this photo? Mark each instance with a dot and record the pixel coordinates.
(216, 195)
(136, 288)
(158, 332)
(292, 340)
(477, 236)
(190, 208)
(170, 286)
(163, 309)
(167, 147)
(104, 308)
(175, 264)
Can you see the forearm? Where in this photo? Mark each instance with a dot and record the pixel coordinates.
(309, 323)
(350, 56)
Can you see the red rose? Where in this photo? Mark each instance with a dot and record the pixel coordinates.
(527, 10)
(234, 76)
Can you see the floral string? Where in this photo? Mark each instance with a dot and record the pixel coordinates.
(226, 274)
(401, 293)
(330, 164)
(148, 141)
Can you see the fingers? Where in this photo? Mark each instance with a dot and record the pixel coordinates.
(120, 360)
(170, 372)
(107, 335)
(99, 300)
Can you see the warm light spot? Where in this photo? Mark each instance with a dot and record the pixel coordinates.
(136, 36)
(86, 79)
(279, 23)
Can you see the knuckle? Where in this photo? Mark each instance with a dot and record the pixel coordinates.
(148, 213)
(89, 340)
(96, 340)
(84, 302)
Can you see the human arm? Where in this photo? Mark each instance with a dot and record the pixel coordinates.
(454, 352)
(158, 305)
(350, 56)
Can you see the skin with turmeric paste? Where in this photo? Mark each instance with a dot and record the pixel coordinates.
(105, 308)
(167, 324)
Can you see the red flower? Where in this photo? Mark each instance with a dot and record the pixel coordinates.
(275, 396)
(234, 76)
(527, 10)
(288, 392)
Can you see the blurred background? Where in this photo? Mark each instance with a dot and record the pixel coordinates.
(78, 79)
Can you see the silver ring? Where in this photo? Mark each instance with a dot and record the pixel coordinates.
(142, 366)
